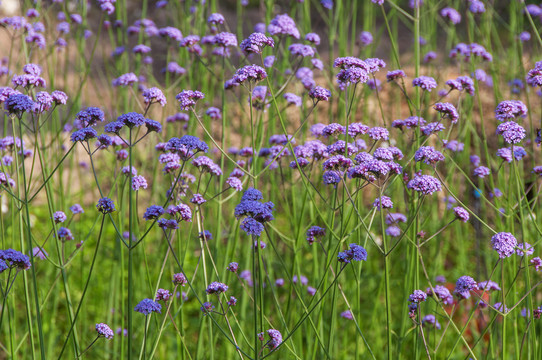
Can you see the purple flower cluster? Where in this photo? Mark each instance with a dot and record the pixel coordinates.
(504, 243)
(104, 330)
(354, 253)
(147, 306)
(15, 259)
(283, 25)
(315, 232)
(256, 212)
(425, 184)
(187, 98)
(216, 288)
(463, 287)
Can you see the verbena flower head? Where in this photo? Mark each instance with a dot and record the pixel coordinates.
(180, 279)
(275, 339)
(59, 217)
(451, 14)
(431, 320)
(233, 267)
(395, 74)
(482, 171)
(15, 259)
(383, 202)
(315, 232)
(425, 184)
(225, 39)
(425, 83)
(105, 205)
(216, 288)
(379, 133)
(355, 253)
(147, 306)
(511, 132)
(510, 109)
(153, 212)
(154, 94)
(313, 38)
(18, 104)
(417, 297)
(365, 38)
(163, 295)
(283, 25)
(104, 330)
(252, 227)
(442, 293)
(524, 249)
(428, 155)
(256, 42)
(463, 287)
(347, 314)
(301, 50)
(253, 73)
(537, 263)
(232, 301)
(488, 286)
(39, 253)
(65, 234)
(207, 307)
(84, 134)
(188, 98)
(447, 110)
(504, 243)
(216, 19)
(461, 214)
(319, 93)
(125, 80)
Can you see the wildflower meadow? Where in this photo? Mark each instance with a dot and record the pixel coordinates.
(252, 179)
